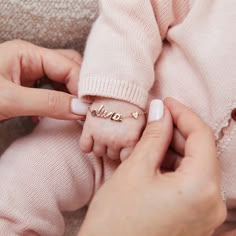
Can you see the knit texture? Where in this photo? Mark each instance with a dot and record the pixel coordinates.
(52, 24)
(137, 50)
(44, 174)
(145, 49)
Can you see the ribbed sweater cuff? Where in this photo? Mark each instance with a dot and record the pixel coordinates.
(117, 89)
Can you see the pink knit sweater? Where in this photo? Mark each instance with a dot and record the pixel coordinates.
(186, 49)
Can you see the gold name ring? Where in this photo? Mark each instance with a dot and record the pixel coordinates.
(101, 112)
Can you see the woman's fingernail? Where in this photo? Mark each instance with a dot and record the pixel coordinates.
(79, 107)
(156, 110)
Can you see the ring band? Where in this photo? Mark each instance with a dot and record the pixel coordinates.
(101, 112)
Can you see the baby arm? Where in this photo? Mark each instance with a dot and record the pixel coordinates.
(119, 59)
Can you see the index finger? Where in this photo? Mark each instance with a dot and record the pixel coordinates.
(37, 62)
(60, 69)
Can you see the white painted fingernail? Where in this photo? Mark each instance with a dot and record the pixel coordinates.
(79, 107)
(156, 110)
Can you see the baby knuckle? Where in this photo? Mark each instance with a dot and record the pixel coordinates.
(115, 144)
(96, 153)
(131, 141)
(83, 146)
(85, 143)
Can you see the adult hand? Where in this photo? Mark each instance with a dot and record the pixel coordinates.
(21, 65)
(140, 199)
(229, 233)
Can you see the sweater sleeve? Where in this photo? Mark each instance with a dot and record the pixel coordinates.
(123, 47)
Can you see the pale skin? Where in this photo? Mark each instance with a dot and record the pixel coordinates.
(105, 137)
(24, 63)
(230, 233)
(21, 65)
(140, 199)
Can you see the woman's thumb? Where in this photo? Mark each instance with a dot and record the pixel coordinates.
(153, 145)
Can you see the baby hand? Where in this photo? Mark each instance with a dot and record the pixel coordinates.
(107, 137)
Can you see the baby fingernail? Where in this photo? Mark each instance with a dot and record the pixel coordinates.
(156, 110)
(79, 107)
